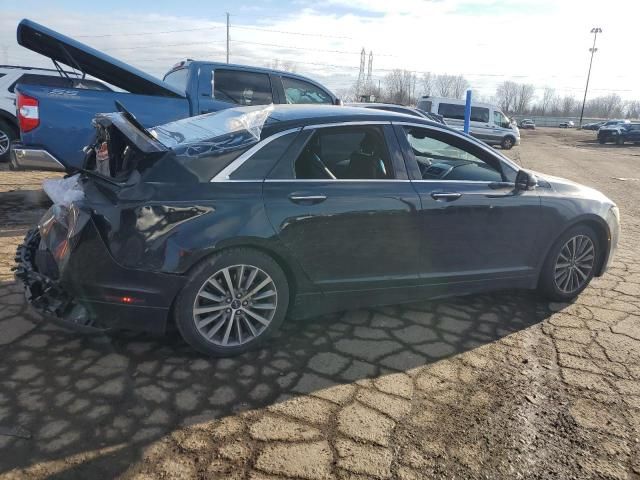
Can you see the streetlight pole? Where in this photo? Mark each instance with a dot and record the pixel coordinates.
(595, 31)
(227, 37)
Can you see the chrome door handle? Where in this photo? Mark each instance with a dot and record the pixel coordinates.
(302, 198)
(446, 196)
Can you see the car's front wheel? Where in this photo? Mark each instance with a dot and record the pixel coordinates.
(570, 264)
(232, 302)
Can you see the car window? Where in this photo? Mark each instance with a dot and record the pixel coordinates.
(178, 79)
(358, 153)
(444, 157)
(299, 91)
(500, 120)
(450, 110)
(424, 105)
(258, 166)
(242, 88)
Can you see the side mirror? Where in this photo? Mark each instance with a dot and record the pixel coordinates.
(526, 180)
(337, 102)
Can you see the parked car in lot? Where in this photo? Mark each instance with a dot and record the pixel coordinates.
(613, 123)
(568, 124)
(623, 132)
(488, 123)
(592, 126)
(528, 124)
(392, 107)
(56, 123)
(232, 221)
(10, 75)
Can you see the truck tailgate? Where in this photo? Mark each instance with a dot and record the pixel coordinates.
(65, 116)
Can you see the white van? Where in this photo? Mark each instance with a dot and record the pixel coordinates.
(488, 123)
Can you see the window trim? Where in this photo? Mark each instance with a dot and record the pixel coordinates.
(225, 174)
(504, 161)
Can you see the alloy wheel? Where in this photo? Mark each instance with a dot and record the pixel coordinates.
(574, 264)
(235, 305)
(4, 142)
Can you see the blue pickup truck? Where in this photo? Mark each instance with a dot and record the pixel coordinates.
(55, 123)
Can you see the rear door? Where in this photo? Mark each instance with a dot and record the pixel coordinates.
(342, 204)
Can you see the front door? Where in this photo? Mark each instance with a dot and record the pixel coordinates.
(475, 225)
(344, 207)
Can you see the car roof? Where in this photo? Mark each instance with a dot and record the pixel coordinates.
(291, 116)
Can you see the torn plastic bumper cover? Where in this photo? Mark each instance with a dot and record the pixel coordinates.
(44, 293)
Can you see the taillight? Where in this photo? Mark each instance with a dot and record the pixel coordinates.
(28, 115)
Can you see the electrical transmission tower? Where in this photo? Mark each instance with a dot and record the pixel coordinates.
(369, 69)
(361, 79)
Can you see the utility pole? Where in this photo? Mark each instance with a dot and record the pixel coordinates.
(227, 37)
(595, 31)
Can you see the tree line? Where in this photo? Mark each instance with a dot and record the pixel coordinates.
(405, 87)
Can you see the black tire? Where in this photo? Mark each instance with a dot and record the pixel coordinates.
(7, 131)
(601, 141)
(547, 283)
(508, 143)
(232, 259)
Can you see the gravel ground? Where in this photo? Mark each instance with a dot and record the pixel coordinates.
(490, 386)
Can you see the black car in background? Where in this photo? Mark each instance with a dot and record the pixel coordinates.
(620, 133)
(229, 222)
(592, 126)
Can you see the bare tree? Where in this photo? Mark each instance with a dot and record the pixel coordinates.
(547, 98)
(451, 86)
(460, 87)
(568, 105)
(525, 93)
(427, 83)
(632, 109)
(399, 87)
(507, 93)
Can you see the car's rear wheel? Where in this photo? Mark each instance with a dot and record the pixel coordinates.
(232, 302)
(7, 135)
(571, 264)
(507, 143)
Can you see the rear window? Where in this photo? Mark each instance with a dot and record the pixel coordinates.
(242, 88)
(178, 79)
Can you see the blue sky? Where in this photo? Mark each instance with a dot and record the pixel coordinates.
(543, 42)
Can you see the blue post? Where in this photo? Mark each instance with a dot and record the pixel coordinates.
(467, 112)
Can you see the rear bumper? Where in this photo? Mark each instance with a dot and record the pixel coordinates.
(23, 158)
(88, 295)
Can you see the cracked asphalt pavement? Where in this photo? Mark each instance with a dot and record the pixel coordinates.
(488, 386)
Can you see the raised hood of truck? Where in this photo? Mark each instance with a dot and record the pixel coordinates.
(74, 54)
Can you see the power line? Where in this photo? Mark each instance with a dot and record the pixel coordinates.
(162, 45)
(291, 33)
(308, 49)
(145, 33)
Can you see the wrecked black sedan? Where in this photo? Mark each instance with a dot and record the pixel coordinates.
(229, 222)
